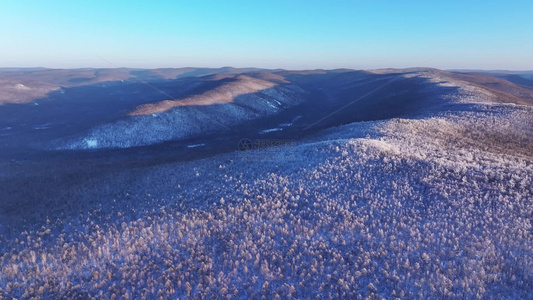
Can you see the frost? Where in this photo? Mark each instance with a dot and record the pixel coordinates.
(436, 206)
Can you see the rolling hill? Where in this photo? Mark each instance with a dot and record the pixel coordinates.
(412, 183)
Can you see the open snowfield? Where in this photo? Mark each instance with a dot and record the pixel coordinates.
(435, 202)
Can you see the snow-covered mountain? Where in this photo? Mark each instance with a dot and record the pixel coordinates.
(374, 184)
(233, 100)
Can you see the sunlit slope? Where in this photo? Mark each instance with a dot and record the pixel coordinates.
(39, 81)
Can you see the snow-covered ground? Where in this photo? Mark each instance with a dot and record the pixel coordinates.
(186, 121)
(438, 205)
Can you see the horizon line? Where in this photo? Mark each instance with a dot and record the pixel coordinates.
(269, 69)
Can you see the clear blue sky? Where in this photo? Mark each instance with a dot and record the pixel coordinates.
(287, 34)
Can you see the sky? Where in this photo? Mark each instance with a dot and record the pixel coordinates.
(288, 34)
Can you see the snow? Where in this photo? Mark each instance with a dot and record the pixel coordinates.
(434, 206)
(270, 130)
(41, 127)
(437, 206)
(20, 86)
(91, 143)
(195, 145)
(185, 122)
(272, 105)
